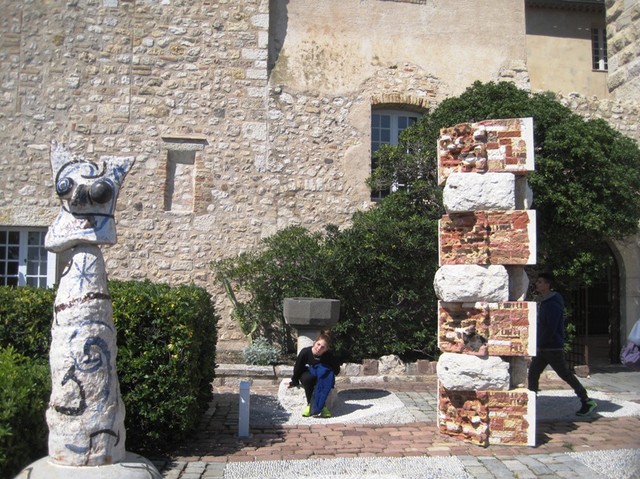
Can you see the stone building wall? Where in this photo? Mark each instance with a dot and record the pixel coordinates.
(161, 81)
(622, 114)
(241, 115)
(623, 35)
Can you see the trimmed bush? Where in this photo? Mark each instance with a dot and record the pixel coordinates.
(166, 354)
(26, 315)
(26, 385)
(290, 263)
(381, 269)
(166, 359)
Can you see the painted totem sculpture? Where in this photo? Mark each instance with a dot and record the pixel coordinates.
(86, 413)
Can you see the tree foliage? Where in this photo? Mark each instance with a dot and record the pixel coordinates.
(381, 269)
(288, 264)
(586, 184)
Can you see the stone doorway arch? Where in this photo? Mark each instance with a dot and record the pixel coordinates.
(596, 315)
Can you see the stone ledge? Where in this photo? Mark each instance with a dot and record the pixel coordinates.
(371, 371)
(234, 381)
(351, 373)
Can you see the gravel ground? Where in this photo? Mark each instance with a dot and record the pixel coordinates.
(355, 406)
(609, 464)
(352, 468)
(613, 464)
(377, 406)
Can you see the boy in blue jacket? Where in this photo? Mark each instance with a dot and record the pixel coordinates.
(550, 350)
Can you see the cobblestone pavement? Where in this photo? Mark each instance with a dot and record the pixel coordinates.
(567, 448)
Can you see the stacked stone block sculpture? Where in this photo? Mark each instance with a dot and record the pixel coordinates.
(486, 238)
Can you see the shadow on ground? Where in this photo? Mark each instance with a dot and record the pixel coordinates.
(562, 405)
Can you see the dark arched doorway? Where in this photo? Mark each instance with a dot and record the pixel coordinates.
(595, 313)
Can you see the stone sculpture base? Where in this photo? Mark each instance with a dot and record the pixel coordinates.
(133, 466)
(293, 399)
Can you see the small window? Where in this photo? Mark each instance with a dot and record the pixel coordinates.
(386, 126)
(181, 189)
(180, 182)
(23, 259)
(599, 49)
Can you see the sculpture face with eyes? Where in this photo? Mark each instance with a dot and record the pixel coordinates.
(88, 192)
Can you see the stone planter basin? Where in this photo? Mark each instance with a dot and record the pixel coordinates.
(313, 313)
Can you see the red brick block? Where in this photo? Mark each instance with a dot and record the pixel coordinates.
(494, 329)
(487, 417)
(488, 237)
(490, 145)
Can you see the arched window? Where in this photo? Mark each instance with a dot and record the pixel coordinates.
(386, 126)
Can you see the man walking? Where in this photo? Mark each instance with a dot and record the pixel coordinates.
(551, 343)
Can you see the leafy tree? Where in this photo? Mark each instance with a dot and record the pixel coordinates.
(382, 272)
(381, 269)
(585, 185)
(287, 264)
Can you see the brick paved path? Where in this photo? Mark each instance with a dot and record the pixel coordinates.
(217, 440)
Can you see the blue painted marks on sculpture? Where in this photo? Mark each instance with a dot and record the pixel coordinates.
(86, 413)
(86, 449)
(86, 272)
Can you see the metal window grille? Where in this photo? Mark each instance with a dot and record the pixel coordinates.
(599, 49)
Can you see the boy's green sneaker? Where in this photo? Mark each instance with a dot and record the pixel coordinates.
(587, 408)
(325, 412)
(306, 412)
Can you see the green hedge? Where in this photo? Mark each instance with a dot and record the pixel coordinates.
(166, 353)
(25, 387)
(26, 315)
(166, 359)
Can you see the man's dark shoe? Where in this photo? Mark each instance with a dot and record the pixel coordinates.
(587, 408)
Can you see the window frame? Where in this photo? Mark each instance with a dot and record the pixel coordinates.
(25, 277)
(599, 55)
(394, 131)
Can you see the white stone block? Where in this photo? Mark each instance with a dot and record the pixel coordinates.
(479, 191)
(391, 365)
(471, 283)
(464, 372)
(352, 369)
(518, 283)
(524, 193)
